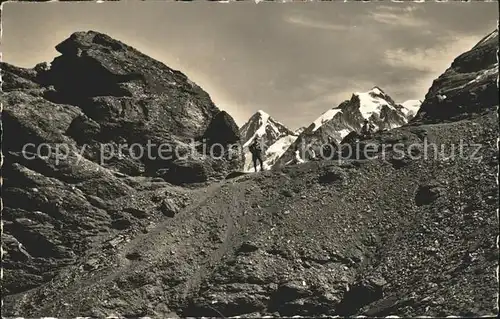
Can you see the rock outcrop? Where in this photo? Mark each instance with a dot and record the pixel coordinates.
(467, 87)
(75, 146)
(121, 97)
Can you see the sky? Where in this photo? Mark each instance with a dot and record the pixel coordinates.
(292, 60)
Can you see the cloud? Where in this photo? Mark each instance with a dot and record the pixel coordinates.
(308, 23)
(421, 66)
(398, 8)
(398, 16)
(429, 59)
(324, 93)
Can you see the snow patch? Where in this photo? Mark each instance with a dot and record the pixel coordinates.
(343, 133)
(410, 107)
(297, 157)
(325, 117)
(275, 151)
(263, 114)
(369, 104)
(272, 153)
(261, 131)
(376, 91)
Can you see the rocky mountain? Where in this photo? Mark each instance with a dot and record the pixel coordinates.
(407, 236)
(68, 131)
(467, 87)
(109, 93)
(263, 126)
(276, 138)
(375, 106)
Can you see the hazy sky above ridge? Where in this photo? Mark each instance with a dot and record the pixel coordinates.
(293, 60)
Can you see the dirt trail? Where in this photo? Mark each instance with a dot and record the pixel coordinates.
(154, 243)
(235, 220)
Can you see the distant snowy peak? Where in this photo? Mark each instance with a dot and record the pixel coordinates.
(411, 104)
(375, 105)
(277, 138)
(262, 125)
(372, 102)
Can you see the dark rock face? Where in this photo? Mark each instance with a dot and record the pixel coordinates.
(467, 87)
(222, 129)
(122, 97)
(100, 93)
(18, 78)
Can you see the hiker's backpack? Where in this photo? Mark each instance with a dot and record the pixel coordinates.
(255, 148)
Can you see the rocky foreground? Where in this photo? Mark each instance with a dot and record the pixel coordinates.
(383, 236)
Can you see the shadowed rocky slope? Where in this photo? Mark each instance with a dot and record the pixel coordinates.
(468, 87)
(386, 236)
(99, 94)
(103, 91)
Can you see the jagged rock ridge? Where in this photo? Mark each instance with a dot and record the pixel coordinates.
(375, 106)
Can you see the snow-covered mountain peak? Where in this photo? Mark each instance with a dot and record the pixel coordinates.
(411, 103)
(276, 137)
(336, 123)
(262, 125)
(372, 102)
(376, 91)
(262, 113)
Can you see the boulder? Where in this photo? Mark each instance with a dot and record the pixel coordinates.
(107, 95)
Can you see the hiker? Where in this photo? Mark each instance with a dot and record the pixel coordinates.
(365, 130)
(256, 150)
